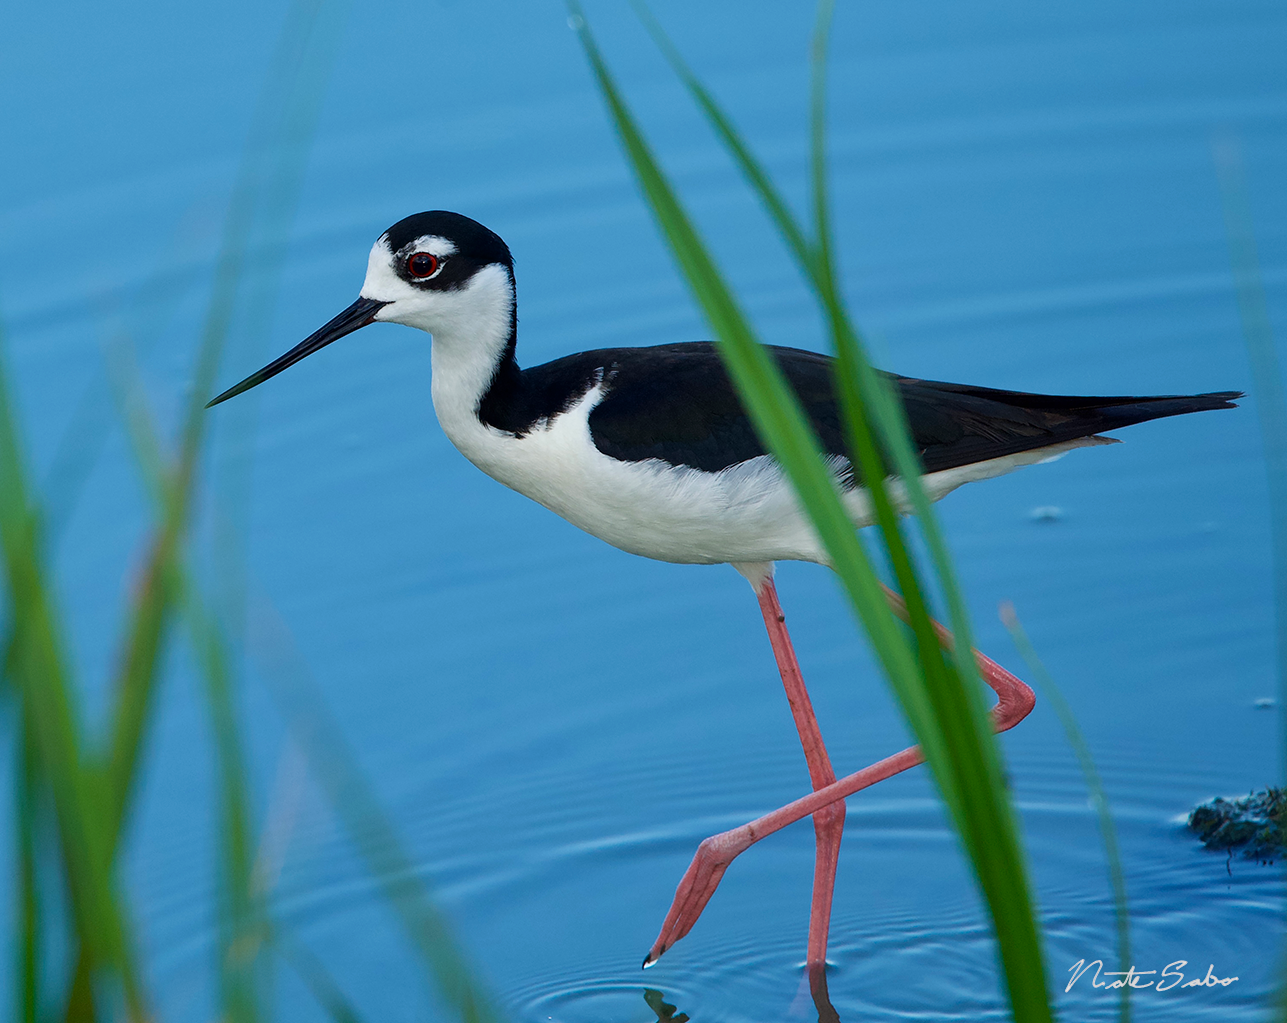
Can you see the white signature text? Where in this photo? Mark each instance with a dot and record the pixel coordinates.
(1172, 976)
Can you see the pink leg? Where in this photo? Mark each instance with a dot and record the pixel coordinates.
(1014, 701)
(829, 821)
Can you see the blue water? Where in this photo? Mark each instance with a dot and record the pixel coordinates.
(1025, 198)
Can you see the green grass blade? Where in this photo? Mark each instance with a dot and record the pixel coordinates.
(87, 432)
(943, 713)
(1094, 785)
(887, 414)
(310, 41)
(136, 682)
(984, 817)
(27, 809)
(850, 366)
(862, 417)
(241, 910)
(769, 400)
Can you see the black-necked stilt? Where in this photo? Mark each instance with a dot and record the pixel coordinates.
(650, 450)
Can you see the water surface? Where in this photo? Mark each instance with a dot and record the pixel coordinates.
(1025, 197)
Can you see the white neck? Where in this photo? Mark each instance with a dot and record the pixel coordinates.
(469, 341)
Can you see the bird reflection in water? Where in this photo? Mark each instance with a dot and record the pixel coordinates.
(664, 1010)
(817, 989)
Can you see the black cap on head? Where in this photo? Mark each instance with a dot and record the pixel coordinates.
(473, 241)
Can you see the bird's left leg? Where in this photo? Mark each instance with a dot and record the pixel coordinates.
(829, 821)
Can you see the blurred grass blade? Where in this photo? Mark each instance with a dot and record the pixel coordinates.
(154, 609)
(387, 862)
(1094, 786)
(86, 434)
(1271, 405)
(243, 915)
(280, 817)
(77, 451)
(147, 627)
(1266, 374)
(287, 123)
(946, 716)
(887, 416)
(334, 768)
(27, 809)
(242, 911)
(310, 970)
(311, 39)
(158, 592)
(369, 830)
(47, 718)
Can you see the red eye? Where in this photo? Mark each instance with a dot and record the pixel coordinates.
(422, 265)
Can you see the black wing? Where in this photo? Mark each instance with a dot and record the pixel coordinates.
(676, 403)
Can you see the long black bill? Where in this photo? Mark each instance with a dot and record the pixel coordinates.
(359, 314)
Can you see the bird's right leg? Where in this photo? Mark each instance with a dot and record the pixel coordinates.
(1014, 701)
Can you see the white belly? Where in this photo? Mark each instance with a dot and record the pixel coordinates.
(746, 513)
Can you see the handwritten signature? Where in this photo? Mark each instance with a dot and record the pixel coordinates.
(1172, 976)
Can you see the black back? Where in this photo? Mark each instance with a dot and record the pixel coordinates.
(676, 403)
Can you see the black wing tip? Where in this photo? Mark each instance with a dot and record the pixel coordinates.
(1207, 402)
(1162, 406)
(1226, 399)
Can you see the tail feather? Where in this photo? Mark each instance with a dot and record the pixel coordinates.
(1082, 402)
(956, 424)
(1128, 411)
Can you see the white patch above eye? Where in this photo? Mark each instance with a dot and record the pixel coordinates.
(433, 244)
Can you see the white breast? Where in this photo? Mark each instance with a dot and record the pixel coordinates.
(746, 513)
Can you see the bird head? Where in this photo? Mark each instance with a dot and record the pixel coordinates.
(438, 271)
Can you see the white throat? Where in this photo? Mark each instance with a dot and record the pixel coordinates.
(470, 332)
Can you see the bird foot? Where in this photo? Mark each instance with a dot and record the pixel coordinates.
(698, 885)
